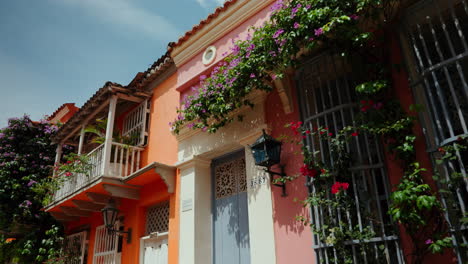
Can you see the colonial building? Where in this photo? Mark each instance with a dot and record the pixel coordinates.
(199, 197)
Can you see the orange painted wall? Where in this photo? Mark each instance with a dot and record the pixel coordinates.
(94, 221)
(134, 212)
(162, 147)
(174, 220)
(162, 144)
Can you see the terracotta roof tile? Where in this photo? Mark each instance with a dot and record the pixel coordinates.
(201, 24)
(159, 66)
(71, 106)
(93, 103)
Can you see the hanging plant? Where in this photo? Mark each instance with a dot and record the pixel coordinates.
(294, 26)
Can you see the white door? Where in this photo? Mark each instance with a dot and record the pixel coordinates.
(105, 247)
(154, 249)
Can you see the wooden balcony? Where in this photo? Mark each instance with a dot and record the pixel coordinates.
(124, 161)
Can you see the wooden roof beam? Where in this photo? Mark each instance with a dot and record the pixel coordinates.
(88, 206)
(73, 211)
(122, 192)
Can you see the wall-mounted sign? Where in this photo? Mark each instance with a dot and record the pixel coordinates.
(257, 181)
(187, 205)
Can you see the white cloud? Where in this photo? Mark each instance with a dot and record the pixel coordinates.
(202, 3)
(210, 3)
(125, 13)
(220, 2)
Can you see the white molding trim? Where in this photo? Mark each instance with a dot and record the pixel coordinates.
(195, 161)
(283, 86)
(250, 139)
(217, 28)
(257, 97)
(168, 176)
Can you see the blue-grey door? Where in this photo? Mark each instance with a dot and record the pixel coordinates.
(231, 225)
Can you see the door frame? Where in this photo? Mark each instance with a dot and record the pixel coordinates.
(218, 160)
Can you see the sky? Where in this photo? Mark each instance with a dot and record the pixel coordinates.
(61, 51)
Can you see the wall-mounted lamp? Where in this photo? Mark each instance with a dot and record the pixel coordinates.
(267, 152)
(109, 214)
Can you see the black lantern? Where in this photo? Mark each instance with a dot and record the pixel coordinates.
(109, 215)
(267, 152)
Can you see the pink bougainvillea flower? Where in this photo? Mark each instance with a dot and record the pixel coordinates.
(339, 186)
(354, 17)
(31, 183)
(68, 174)
(429, 241)
(296, 25)
(318, 32)
(278, 33)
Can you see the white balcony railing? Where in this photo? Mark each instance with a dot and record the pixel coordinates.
(124, 161)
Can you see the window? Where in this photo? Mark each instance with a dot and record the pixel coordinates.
(327, 99)
(435, 41)
(157, 218)
(75, 248)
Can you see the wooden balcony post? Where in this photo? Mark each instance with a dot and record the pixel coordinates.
(58, 156)
(82, 136)
(109, 132)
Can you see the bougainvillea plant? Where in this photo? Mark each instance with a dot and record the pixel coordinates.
(294, 27)
(25, 164)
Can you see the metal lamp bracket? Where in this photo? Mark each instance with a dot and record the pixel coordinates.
(281, 174)
(121, 233)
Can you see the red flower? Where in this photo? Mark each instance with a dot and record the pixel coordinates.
(441, 150)
(69, 161)
(307, 171)
(330, 134)
(323, 171)
(355, 134)
(68, 174)
(295, 126)
(338, 186)
(307, 132)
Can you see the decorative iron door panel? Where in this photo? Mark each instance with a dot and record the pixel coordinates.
(231, 240)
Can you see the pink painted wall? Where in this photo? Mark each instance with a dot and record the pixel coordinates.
(293, 239)
(188, 74)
